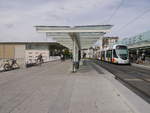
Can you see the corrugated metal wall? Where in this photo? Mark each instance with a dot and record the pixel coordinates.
(1, 51)
(7, 51)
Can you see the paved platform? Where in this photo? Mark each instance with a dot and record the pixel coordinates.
(52, 88)
(145, 66)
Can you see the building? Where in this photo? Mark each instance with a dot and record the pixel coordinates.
(27, 52)
(94, 52)
(12, 51)
(33, 50)
(106, 41)
(89, 53)
(141, 40)
(103, 44)
(138, 44)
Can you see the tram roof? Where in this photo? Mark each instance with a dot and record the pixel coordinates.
(85, 36)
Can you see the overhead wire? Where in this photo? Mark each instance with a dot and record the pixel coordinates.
(115, 11)
(134, 19)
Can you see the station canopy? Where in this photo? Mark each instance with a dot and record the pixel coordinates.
(85, 36)
(141, 40)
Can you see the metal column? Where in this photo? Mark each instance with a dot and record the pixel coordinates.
(75, 56)
(75, 53)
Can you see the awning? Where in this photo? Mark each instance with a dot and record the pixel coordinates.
(75, 38)
(85, 36)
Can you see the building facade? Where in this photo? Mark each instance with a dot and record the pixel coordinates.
(12, 51)
(27, 52)
(34, 50)
(106, 41)
(138, 45)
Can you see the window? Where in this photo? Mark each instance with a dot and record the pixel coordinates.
(109, 53)
(114, 54)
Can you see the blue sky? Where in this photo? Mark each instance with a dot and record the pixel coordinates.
(17, 17)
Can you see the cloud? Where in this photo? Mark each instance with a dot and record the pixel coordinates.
(19, 16)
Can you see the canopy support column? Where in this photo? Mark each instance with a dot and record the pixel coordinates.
(76, 48)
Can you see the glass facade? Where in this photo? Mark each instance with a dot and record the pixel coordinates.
(138, 39)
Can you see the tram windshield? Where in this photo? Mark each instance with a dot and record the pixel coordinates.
(122, 52)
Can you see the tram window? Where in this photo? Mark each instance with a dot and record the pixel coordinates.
(121, 47)
(103, 53)
(109, 53)
(114, 54)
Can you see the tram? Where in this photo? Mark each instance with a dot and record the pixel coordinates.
(117, 54)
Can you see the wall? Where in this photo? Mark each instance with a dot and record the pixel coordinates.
(12, 51)
(89, 53)
(31, 55)
(33, 50)
(20, 54)
(7, 51)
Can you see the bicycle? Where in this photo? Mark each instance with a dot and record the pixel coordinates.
(39, 61)
(10, 65)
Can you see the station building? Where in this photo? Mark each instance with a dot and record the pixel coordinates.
(138, 44)
(27, 52)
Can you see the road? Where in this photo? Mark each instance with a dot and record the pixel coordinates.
(136, 78)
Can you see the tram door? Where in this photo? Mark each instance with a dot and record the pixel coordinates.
(109, 55)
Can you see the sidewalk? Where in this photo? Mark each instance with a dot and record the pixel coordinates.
(94, 93)
(52, 88)
(145, 66)
(129, 97)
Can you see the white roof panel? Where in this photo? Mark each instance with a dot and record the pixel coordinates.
(86, 36)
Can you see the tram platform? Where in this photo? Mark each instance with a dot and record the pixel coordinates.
(146, 66)
(52, 88)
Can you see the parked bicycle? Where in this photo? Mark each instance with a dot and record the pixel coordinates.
(10, 65)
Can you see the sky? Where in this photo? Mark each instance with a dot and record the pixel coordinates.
(18, 17)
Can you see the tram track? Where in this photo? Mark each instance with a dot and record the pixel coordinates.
(135, 78)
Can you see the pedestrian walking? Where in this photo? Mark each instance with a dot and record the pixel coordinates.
(40, 59)
(62, 57)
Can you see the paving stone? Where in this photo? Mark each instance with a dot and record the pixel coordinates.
(52, 88)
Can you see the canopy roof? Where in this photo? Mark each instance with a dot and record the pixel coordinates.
(85, 36)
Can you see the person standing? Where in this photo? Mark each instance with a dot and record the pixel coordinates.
(62, 57)
(131, 57)
(143, 57)
(84, 55)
